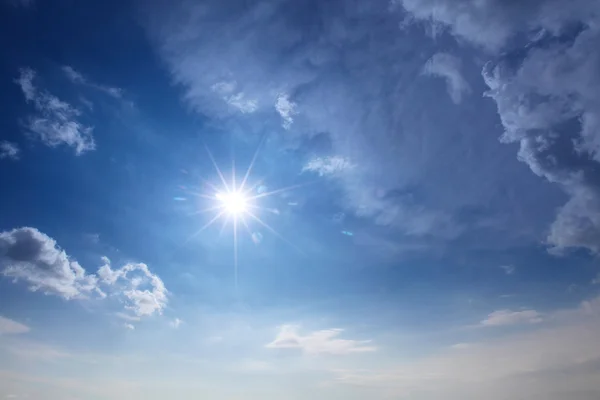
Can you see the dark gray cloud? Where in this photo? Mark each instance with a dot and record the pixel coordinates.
(351, 72)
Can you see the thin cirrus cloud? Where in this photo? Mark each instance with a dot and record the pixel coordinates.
(54, 121)
(508, 317)
(28, 255)
(448, 67)
(10, 327)
(78, 78)
(318, 342)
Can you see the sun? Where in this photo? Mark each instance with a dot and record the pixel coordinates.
(235, 203)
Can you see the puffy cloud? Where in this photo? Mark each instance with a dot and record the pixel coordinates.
(286, 109)
(54, 122)
(508, 317)
(492, 23)
(145, 292)
(447, 66)
(318, 342)
(8, 326)
(9, 150)
(28, 255)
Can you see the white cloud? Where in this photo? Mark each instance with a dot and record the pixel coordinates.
(508, 269)
(237, 100)
(8, 326)
(132, 277)
(129, 326)
(448, 67)
(176, 323)
(539, 364)
(78, 78)
(28, 255)
(9, 150)
(328, 165)
(54, 122)
(287, 109)
(508, 317)
(318, 342)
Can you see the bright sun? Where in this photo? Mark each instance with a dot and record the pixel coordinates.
(234, 203)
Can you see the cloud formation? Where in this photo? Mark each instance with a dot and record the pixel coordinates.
(508, 317)
(448, 67)
(8, 326)
(78, 78)
(54, 122)
(318, 342)
(28, 255)
(9, 150)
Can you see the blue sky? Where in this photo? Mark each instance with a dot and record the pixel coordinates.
(423, 216)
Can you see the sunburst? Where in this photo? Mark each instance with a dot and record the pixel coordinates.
(237, 203)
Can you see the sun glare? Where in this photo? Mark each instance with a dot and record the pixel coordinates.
(234, 203)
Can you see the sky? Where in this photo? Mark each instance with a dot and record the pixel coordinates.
(342, 199)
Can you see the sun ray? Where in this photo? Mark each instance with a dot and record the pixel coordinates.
(252, 162)
(218, 169)
(235, 253)
(209, 223)
(204, 210)
(285, 189)
(274, 232)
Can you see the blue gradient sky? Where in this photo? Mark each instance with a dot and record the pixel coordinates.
(437, 235)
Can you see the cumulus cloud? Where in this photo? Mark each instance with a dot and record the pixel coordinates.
(353, 84)
(318, 342)
(8, 326)
(28, 255)
(9, 150)
(448, 67)
(78, 78)
(32, 256)
(508, 317)
(54, 122)
(145, 292)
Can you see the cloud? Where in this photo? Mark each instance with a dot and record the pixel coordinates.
(327, 165)
(28, 255)
(176, 323)
(133, 277)
(318, 342)
(596, 280)
(9, 150)
(78, 78)
(551, 363)
(129, 327)
(508, 269)
(447, 66)
(8, 326)
(508, 317)
(54, 121)
(286, 109)
(237, 100)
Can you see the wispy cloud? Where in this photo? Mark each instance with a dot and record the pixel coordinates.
(78, 78)
(325, 166)
(508, 317)
(9, 150)
(54, 122)
(318, 342)
(448, 67)
(287, 109)
(8, 326)
(508, 269)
